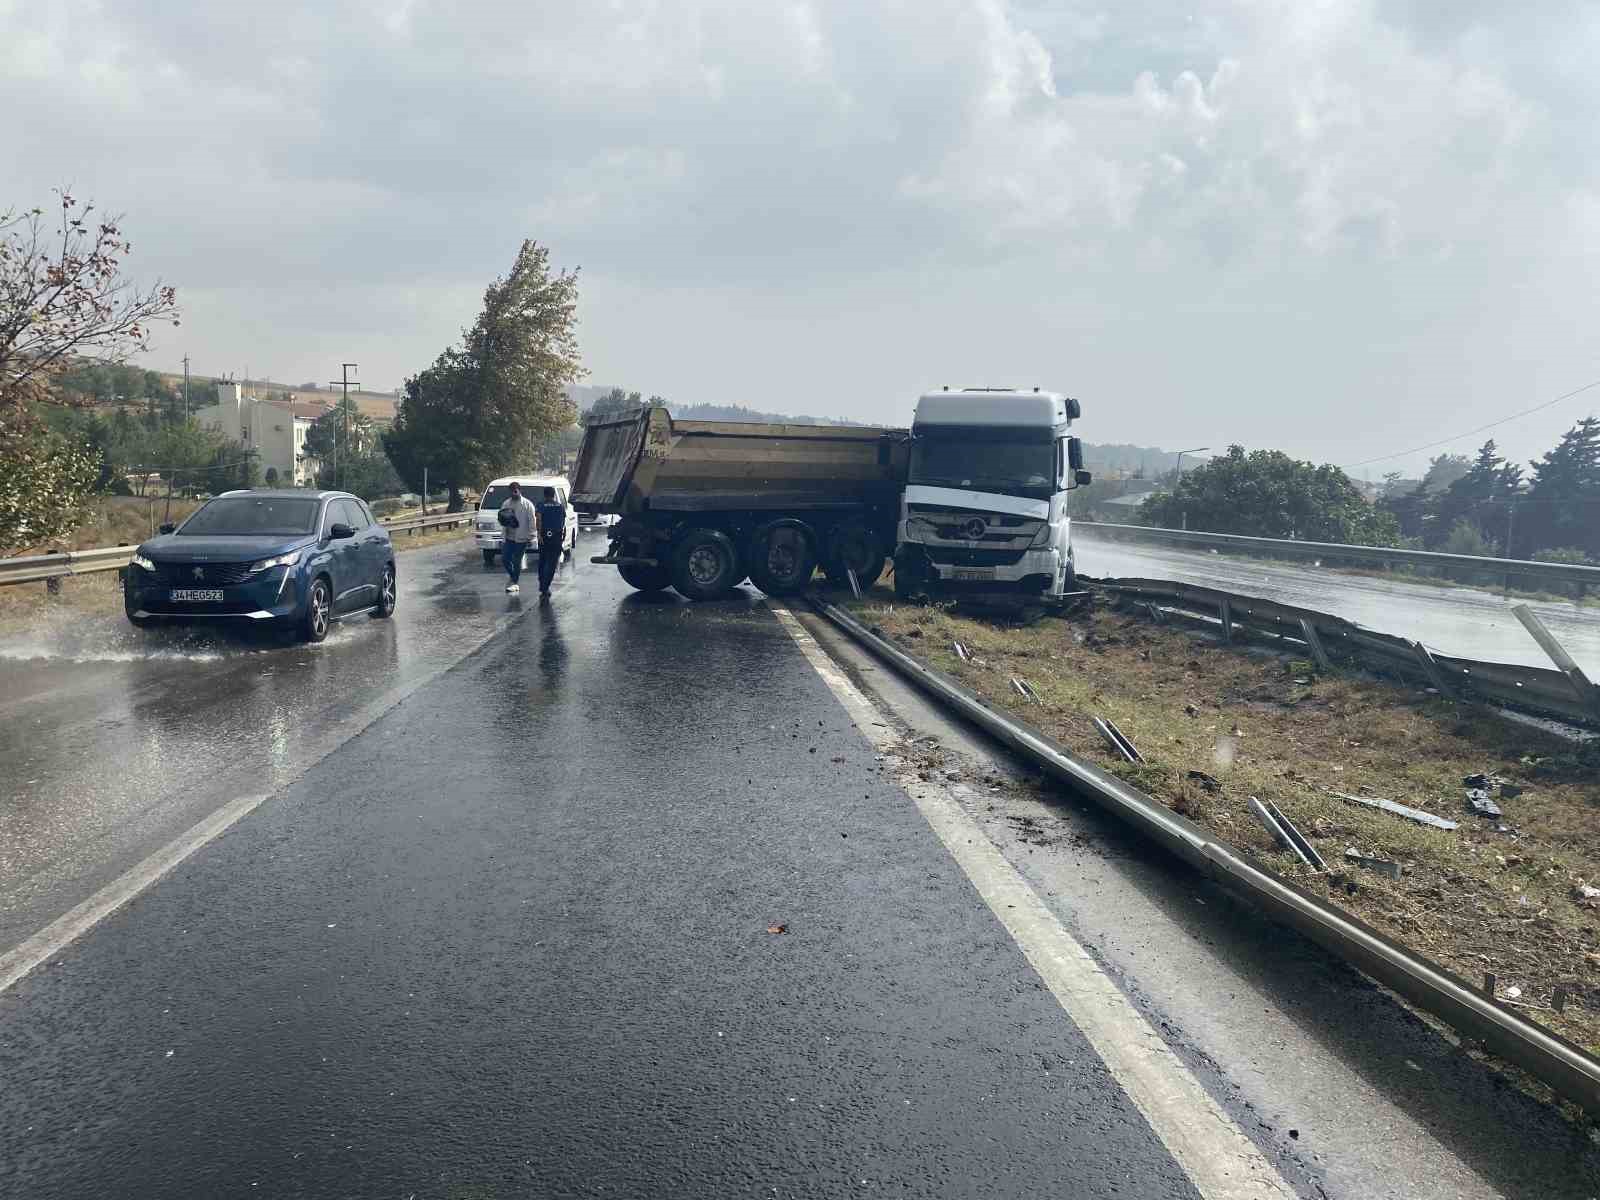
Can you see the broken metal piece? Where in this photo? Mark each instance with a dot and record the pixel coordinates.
(1279, 827)
(1488, 984)
(1206, 783)
(1558, 999)
(1478, 801)
(1117, 740)
(1024, 689)
(1399, 810)
(1380, 865)
(1309, 632)
(855, 584)
(962, 652)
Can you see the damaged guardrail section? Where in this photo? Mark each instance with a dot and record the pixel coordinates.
(1547, 574)
(1565, 694)
(1548, 1057)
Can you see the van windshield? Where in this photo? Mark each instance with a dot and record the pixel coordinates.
(986, 465)
(499, 493)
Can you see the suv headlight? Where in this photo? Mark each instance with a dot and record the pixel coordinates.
(283, 560)
(139, 560)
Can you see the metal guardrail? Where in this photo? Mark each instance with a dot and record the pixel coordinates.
(1530, 689)
(42, 568)
(1564, 574)
(1565, 1067)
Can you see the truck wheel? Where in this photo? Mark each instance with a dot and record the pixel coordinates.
(645, 577)
(705, 566)
(854, 547)
(783, 557)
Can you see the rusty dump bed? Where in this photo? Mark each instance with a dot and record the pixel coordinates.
(646, 461)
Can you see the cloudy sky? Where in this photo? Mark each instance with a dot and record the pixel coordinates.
(1336, 227)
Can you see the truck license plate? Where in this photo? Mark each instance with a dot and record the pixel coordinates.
(188, 595)
(973, 573)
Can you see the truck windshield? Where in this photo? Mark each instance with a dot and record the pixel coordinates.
(983, 465)
(252, 515)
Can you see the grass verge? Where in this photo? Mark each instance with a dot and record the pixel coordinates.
(1218, 725)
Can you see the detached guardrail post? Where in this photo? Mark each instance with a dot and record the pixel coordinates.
(1585, 691)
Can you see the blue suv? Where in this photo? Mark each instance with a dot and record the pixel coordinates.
(298, 558)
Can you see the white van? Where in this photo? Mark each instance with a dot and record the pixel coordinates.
(486, 529)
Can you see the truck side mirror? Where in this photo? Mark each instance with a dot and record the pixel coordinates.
(1075, 453)
(1084, 478)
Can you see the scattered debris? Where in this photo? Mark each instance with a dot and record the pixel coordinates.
(1558, 999)
(775, 927)
(1285, 834)
(1478, 801)
(1586, 896)
(1206, 783)
(1117, 740)
(1191, 710)
(1488, 984)
(1400, 810)
(1513, 993)
(1380, 865)
(1024, 689)
(962, 652)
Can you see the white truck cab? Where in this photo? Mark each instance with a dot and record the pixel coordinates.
(486, 531)
(985, 508)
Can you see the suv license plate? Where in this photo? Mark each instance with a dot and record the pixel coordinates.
(188, 595)
(973, 573)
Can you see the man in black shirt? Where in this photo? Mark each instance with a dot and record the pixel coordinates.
(552, 526)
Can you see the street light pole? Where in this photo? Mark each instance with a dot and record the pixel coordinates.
(1181, 453)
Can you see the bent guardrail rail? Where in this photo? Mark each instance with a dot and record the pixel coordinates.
(1551, 693)
(42, 568)
(1567, 1068)
(1564, 574)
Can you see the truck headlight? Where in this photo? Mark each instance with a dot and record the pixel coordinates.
(283, 560)
(140, 561)
(1042, 538)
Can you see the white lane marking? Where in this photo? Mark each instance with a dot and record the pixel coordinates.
(74, 923)
(78, 920)
(1221, 1162)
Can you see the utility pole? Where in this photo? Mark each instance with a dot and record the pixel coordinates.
(344, 382)
(185, 389)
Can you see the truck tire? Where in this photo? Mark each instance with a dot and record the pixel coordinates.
(783, 557)
(854, 547)
(644, 577)
(705, 565)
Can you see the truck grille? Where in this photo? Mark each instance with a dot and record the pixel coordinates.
(202, 574)
(948, 556)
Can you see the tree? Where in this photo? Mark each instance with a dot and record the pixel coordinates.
(1265, 493)
(1481, 497)
(44, 481)
(1564, 495)
(271, 477)
(1443, 470)
(63, 296)
(337, 436)
(486, 408)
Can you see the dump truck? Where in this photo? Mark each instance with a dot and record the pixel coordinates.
(704, 505)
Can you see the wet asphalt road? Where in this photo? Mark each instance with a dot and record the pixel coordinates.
(501, 927)
(1456, 620)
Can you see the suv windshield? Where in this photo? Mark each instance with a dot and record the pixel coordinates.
(250, 515)
(996, 466)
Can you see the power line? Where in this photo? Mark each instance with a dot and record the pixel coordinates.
(1480, 429)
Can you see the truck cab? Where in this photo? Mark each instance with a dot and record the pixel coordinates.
(985, 514)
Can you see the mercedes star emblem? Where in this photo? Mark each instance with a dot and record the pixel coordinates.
(974, 529)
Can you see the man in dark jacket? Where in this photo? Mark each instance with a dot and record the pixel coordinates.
(552, 526)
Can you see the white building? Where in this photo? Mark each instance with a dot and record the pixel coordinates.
(272, 428)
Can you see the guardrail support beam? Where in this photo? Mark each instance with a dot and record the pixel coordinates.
(1581, 687)
(1309, 631)
(1225, 611)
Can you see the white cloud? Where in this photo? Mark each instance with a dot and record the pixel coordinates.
(1400, 193)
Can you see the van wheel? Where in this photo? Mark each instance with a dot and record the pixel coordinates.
(783, 557)
(854, 547)
(705, 565)
(645, 577)
(488, 558)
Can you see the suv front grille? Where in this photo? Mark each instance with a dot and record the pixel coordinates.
(174, 574)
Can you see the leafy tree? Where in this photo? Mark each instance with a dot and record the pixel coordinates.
(338, 436)
(488, 406)
(44, 481)
(1564, 495)
(271, 477)
(1482, 497)
(1467, 538)
(1443, 470)
(1265, 493)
